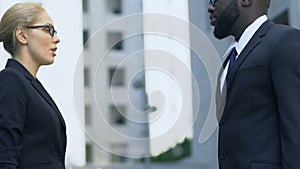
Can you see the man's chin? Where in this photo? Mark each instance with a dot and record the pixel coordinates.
(220, 35)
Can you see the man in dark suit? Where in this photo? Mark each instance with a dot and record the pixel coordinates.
(258, 96)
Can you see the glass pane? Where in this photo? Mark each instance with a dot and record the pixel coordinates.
(117, 114)
(115, 6)
(115, 40)
(116, 77)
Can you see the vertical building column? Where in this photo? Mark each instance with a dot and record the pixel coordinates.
(168, 72)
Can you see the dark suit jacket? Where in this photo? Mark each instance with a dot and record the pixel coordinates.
(260, 124)
(32, 130)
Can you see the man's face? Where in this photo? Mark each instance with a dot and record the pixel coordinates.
(224, 14)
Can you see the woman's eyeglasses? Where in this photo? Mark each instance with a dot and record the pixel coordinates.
(49, 28)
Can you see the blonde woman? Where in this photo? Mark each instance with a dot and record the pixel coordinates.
(32, 130)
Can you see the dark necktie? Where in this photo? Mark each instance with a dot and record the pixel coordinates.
(232, 58)
(220, 94)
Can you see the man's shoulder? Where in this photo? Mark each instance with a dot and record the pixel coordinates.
(277, 33)
(284, 29)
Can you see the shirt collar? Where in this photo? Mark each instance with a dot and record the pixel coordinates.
(247, 34)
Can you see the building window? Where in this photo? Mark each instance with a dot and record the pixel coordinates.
(88, 115)
(88, 153)
(85, 7)
(115, 6)
(115, 40)
(120, 149)
(86, 35)
(117, 114)
(116, 76)
(87, 77)
(118, 159)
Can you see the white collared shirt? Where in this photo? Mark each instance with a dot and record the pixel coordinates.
(240, 45)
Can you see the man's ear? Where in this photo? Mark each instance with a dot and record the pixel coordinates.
(246, 3)
(21, 35)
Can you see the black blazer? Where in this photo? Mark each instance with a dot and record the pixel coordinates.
(260, 124)
(32, 130)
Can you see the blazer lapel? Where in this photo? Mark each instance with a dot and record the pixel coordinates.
(38, 86)
(220, 96)
(254, 42)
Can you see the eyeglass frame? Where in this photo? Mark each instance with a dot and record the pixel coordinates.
(50, 29)
(212, 2)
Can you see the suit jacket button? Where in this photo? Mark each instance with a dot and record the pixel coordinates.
(223, 155)
(221, 122)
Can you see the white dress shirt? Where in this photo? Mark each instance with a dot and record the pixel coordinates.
(240, 45)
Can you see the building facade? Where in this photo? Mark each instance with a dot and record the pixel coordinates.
(114, 92)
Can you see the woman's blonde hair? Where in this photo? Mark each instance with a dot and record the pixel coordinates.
(19, 15)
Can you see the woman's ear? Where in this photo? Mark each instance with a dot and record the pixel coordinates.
(21, 35)
(246, 3)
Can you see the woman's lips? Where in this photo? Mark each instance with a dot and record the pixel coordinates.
(53, 51)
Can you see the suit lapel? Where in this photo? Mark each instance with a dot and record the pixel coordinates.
(38, 86)
(249, 47)
(220, 96)
(254, 42)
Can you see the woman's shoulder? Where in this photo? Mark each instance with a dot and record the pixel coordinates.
(12, 78)
(10, 73)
